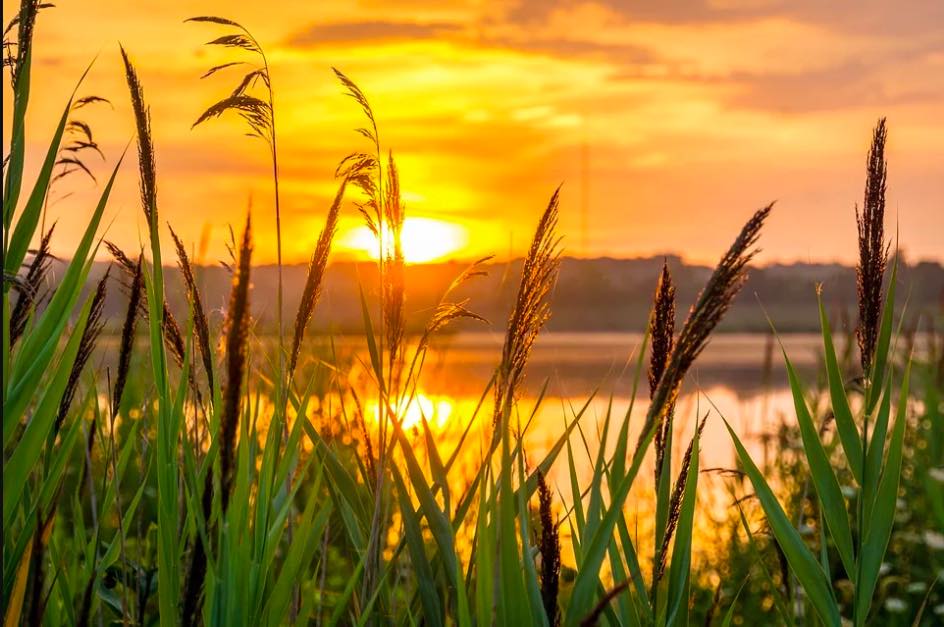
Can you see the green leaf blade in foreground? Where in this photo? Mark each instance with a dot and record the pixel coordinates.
(823, 477)
(807, 570)
(38, 348)
(422, 570)
(587, 582)
(884, 341)
(29, 448)
(680, 568)
(845, 423)
(26, 225)
(883, 512)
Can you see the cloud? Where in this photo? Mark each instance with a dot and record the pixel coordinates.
(369, 32)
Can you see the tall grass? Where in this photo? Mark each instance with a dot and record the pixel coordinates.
(236, 500)
(861, 543)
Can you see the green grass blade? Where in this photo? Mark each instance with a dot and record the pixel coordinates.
(422, 571)
(802, 563)
(680, 567)
(875, 453)
(36, 350)
(822, 474)
(26, 454)
(438, 521)
(845, 423)
(729, 615)
(884, 341)
(883, 511)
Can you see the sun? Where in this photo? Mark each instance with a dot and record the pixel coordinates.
(424, 240)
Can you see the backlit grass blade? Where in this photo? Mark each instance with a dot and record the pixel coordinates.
(512, 606)
(422, 571)
(884, 341)
(484, 556)
(538, 613)
(340, 606)
(438, 521)
(875, 453)
(15, 603)
(36, 351)
(14, 167)
(883, 512)
(436, 467)
(29, 447)
(26, 224)
(845, 423)
(802, 563)
(298, 555)
(681, 564)
(822, 475)
(587, 581)
(729, 615)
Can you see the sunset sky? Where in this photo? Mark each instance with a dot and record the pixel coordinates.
(667, 122)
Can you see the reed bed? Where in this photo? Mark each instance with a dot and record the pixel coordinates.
(238, 502)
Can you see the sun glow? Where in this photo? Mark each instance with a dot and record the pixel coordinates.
(435, 409)
(423, 239)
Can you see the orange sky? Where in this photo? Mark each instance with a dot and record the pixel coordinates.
(668, 123)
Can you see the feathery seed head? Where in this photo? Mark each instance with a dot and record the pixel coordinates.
(532, 308)
(873, 253)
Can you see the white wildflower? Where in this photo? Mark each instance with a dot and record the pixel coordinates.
(934, 540)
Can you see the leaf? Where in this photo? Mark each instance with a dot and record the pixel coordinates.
(216, 68)
(729, 615)
(845, 423)
(15, 603)
(884, 340)
(823, 476)
(802, 563)
(235, 41)
(212, 19)
(680, 568)
(425, 582)
(883, 512)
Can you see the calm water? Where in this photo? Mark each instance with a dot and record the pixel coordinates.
(730, 378)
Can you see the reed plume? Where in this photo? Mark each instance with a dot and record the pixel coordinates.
(550, 553)
(200, 323)
(16, 53)
(393, 279)
(873, 253)
(313, 282)
(147, 167)
(447, 310)
(30, 287)
(236, 336)
(675, 505)
(259, 115)
(709, 308)
(364, 170)
(78, 141)
(662, 332)
(237, 333)
(170, 330)
(93, 328)
(531, 310)
(135, 294)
